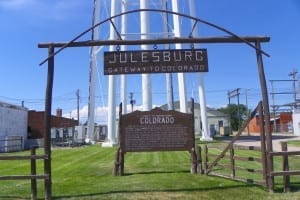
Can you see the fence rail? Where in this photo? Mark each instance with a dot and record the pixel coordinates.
(212, 152)
(35, 157)
(23, 177)
(33, 176)
(286, 172)
(246, 180)
(231, 163)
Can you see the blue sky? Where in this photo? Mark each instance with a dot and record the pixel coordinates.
(25, 23)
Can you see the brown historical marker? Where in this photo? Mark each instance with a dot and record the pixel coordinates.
(156, 130)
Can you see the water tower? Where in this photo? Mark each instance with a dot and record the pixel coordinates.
(141, 26)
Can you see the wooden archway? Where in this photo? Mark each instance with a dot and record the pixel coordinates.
(253, 41)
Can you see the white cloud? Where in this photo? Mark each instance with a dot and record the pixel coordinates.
(100, 113)
(18, 5)
(45, 9)
(61, 10)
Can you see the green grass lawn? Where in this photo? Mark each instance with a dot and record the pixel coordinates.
(294, 143)
(86, 173)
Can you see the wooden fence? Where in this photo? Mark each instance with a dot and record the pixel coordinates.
(286, 172)
(229, 168)
(235, 164)
(33, 176)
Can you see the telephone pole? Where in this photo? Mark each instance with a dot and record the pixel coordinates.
(78, 98)
(293, 75)
(273, 93)
(132, 101)
(248, 112)
(236, 93)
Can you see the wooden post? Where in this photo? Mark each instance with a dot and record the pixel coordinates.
(33, 172)
(121, 163)
(263, 142)
(265, 102)
(232, 162)
(285, 167)
(117, 163)
(206, 159)
(47, 123)
(193, 113)
(193, 161)
(199, 159)
(120, 152)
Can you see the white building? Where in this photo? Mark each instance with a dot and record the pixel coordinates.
(296, 122)
(13, 127)
(218, 122)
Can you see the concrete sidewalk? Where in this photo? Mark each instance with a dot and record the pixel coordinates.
(277, 138)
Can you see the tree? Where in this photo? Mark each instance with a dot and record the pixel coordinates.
(237, 114)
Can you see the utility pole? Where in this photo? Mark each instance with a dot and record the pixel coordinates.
(132, 101)
(273, 107)
(238, 101)
(228, 95)
(236, 93)
(248, 113)
(293, 75)
(78, 98)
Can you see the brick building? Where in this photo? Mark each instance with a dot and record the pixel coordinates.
(36, 126)
(254, 125)
(282, 122)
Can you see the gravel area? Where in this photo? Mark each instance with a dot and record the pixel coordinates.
(277, 138)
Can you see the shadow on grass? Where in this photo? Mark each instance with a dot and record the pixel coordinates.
(14, 197)
(294, 187)
(150, 190)
(157, 172)
(143, 191)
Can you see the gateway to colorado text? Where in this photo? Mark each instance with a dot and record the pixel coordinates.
(156, 61)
